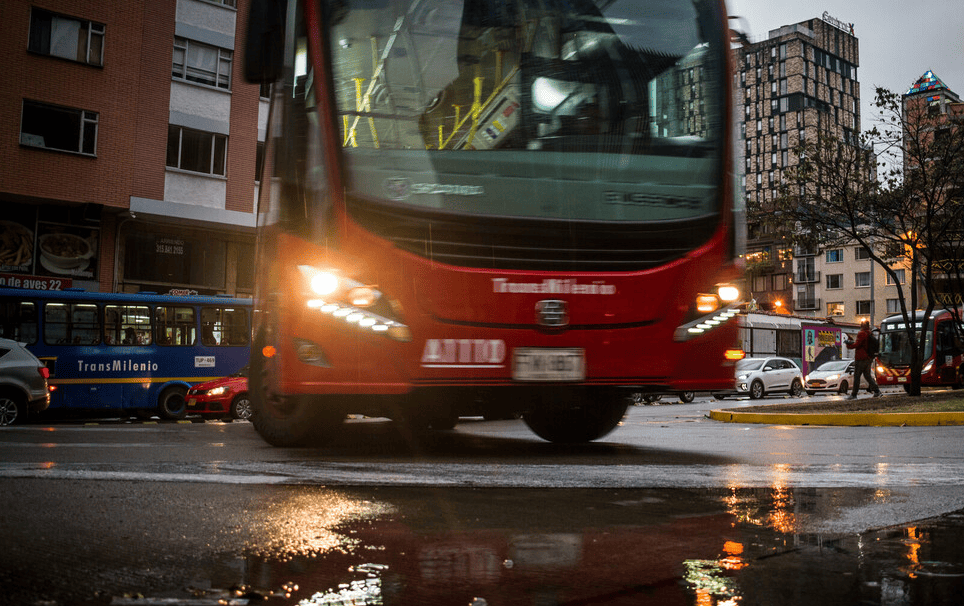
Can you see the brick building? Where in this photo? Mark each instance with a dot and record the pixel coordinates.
(126, 129)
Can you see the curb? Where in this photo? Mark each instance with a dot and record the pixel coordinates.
(857, 419)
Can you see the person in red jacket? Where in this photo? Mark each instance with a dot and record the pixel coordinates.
(863, 362)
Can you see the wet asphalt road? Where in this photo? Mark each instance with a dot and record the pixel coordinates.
(671, 508)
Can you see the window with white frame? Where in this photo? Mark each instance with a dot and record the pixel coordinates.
(66, 37)
(202, 63)
(865, 308)
(862, 279)
(901, 279)
(861, 253)
(893, 306)
(835, 256)
(834, 281)
(835, 309)
(61, 128)
(196, 150)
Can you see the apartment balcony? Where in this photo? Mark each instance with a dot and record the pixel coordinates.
(807, 304)
(806, 277)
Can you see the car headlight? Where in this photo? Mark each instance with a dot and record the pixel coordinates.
(217, 391)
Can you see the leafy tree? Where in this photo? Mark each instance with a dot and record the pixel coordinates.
(912, 215)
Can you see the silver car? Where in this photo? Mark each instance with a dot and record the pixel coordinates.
(836, 376)
(23, 383)
(758, 377)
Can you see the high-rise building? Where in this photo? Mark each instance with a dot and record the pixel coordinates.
(130, 146)
(800, 81)
(934, 115)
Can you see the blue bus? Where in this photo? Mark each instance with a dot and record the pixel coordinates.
(134, 353)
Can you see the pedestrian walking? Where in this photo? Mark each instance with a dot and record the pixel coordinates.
(864, 355)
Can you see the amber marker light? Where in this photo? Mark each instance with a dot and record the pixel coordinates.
(734, 354)
(268, 351)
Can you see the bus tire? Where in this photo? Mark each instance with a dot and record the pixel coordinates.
(293, 422)
(13, 408)
(171, 404)
(577, 424)
(686, 396)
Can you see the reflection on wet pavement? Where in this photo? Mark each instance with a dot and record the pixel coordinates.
(552, 547)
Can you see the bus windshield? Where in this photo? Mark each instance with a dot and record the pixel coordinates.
(576, 110)
(895, 347)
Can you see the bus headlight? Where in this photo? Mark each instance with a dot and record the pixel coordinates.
(353, 304)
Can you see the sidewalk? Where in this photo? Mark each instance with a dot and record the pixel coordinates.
(826, 416)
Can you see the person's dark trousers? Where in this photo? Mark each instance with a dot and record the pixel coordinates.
(864, 368)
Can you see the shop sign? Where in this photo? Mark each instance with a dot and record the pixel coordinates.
(35, 282)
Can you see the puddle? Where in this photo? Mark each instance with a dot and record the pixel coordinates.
(569, 547)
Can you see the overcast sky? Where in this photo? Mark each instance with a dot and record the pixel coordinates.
(899, 40)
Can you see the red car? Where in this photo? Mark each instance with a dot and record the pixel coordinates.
(225, 397)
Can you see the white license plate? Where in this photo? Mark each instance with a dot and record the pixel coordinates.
(534, 364)
(901, 379)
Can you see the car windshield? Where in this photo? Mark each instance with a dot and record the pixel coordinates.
(834, 366)
(749, 364)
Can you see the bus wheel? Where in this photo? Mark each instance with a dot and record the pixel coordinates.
(13, 409)
(291, 421)
(686, 396)
(241, 407)
(583, 423)
(171, 404)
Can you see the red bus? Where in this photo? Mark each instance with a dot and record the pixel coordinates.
(481, 207)
(943, 357)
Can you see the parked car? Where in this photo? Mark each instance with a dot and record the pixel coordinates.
(23, 383)
(758, 377)
(225, 397)
(836, 375)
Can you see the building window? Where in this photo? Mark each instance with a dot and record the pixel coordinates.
(834, 281)
(835, 256)
(865, 308)
(862, 279)
(202, 63)
(835, 309)
(893, 306)
(196, 150)
(61, 128)
(66, 37)
(780, 282)
(259, 162)
(901, 278)
(861, 253)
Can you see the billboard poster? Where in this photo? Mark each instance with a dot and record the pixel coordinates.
(47, 247)
(820, 344)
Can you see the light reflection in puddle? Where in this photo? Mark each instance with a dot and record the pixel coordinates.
(738, 547)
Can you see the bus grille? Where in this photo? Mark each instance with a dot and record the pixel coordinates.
(526, 244)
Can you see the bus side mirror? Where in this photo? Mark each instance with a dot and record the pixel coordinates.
(264, 41)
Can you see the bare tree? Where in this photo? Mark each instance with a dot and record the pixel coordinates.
(912, 216)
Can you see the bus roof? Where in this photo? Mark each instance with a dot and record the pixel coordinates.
(78, 294)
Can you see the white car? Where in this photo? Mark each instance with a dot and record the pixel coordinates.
(759, 377)
(836, 375)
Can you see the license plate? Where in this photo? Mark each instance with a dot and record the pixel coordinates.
(534, 364)
(901, 379)
(191, 402)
